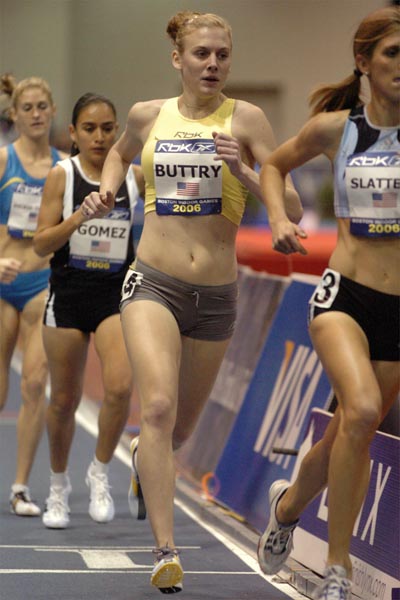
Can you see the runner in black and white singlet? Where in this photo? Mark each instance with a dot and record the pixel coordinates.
(89, 263)
(354, 313)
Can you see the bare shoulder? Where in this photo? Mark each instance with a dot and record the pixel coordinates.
(141, 113)
(250, 120)
(248, 112)
(140, 121)
(327, 127)
(56, 178)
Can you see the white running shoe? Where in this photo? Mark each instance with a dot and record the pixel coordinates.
(101, 506)
(21, 503)
(136, 503)
(56, 514)
(167, 574)
(336, 585)
(276, 542)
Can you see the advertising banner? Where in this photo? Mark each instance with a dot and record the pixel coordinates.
(287, 383)
(375, 546)
(259, 297)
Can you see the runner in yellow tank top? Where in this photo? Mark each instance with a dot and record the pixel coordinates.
(179, 300)
(192, 141)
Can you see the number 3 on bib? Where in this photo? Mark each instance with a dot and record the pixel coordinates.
(327, 289)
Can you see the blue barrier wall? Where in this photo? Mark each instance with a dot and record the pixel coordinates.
(287, 383)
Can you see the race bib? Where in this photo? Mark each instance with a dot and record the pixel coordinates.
(131, 281)
(327, 289)
(187, 179)
(373, 189)
(24, 211)
(101, 244)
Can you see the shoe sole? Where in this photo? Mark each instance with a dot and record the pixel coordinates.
(169, 575)
(48, 526)
(105, 519)
(31, 514)
(172, 590)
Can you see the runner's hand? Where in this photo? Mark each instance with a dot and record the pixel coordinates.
(9, 269)
(286, 237)
(96, 205)
(228, 149)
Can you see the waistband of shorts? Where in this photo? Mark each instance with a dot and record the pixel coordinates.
(184, 286)
(361, 286)
(42, 272)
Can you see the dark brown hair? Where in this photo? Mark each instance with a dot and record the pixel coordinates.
(84, 101)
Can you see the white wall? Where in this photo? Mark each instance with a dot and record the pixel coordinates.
(119, 47)
(35, 39)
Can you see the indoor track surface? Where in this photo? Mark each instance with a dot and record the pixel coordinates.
(91, 561)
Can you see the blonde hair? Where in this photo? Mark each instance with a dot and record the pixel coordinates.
(346, 94)
(184, 22)
(13, 90)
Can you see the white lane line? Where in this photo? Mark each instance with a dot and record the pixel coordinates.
(105, 548)
(113, 571)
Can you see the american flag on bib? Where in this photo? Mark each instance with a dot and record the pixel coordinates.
(187, 188)
(98, 246)
(384, 200)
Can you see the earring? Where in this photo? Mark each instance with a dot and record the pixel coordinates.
(366, 73)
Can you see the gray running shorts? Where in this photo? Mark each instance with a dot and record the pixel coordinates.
(202, 312)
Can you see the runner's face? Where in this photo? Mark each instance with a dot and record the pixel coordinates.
(95, 132)
(384, 68)
(205, 61)
(33, 113)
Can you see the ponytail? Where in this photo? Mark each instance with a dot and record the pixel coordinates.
(337, 96)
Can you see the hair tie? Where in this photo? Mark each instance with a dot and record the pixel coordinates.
(357, 72)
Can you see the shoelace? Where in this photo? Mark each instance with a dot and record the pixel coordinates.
(278, 540)
(56, 501)
(333, 584)
(165, 552)
(102, 488)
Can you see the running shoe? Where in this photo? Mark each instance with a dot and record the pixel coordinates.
(21, 503)
(101, 506)
(276, 542)
(56, 514)
(167, 573)
(336, 585)
(136, 503)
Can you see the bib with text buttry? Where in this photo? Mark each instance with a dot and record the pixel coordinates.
(187, 179)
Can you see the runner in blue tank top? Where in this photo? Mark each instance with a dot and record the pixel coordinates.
(23, 275)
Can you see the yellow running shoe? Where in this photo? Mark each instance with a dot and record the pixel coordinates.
(167, 574)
